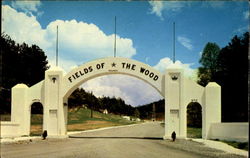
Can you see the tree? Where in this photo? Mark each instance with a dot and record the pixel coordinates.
(137, 113)
(32, 63)
(146, 110)
(233, 78)
(229, 68)
(209, 61)
(19, 64)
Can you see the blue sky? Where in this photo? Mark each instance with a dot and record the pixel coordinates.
(144, 33)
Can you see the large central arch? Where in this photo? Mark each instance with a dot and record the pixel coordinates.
(53, 93)
(108, 66)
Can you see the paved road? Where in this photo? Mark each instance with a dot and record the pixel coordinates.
(138, 141)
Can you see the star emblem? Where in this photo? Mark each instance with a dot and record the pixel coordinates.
(113, 64)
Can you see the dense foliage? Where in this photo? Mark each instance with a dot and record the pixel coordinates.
(231, 73)
(146, 111)
(19, 63)
(209, 63)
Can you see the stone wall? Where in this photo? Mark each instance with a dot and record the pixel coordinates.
(235, 131)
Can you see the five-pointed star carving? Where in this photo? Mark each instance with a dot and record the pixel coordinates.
(113, 64)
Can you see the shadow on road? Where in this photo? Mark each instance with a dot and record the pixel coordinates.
(84, 137)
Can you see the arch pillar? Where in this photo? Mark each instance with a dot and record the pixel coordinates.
(212, 111)
(174, 111)
(53, 110)
(19, 109)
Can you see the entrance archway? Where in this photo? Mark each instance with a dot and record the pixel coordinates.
(114, 93)
(177, 91)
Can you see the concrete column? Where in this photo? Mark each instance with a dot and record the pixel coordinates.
(53, 111)
(212, 106)
(65, 108)
(174, 119)
(19, 108)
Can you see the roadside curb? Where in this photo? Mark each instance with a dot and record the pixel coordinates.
(30, 138)
(19, 139)
(221, 146)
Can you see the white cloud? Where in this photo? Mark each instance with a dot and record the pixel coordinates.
(186, 42)
(167, 62)
(173, 7)
(27, 6)
(147, 59)
(78, 41)
(23, 28)
(241, 29)
(158, 7)
(83, 39)
(200, 53)
(215, 4)
(246, 15)
(110, 85)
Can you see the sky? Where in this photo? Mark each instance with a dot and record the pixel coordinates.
(144, 33)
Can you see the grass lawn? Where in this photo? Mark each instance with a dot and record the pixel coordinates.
(80, 120)
(36, 128)
(193, 132)
(239, 145)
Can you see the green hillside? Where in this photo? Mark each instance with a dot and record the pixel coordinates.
(79, 119)
(82, 115)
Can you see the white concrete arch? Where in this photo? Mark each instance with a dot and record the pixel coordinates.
(107, 66)
(54, 90)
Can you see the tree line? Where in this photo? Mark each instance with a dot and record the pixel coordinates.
(228, 67)
(114, 105)
(147, 110)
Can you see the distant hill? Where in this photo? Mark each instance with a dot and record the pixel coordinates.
(117, 106)
(80, 98)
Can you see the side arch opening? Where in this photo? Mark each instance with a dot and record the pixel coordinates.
(36, 119)
(194, 120)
